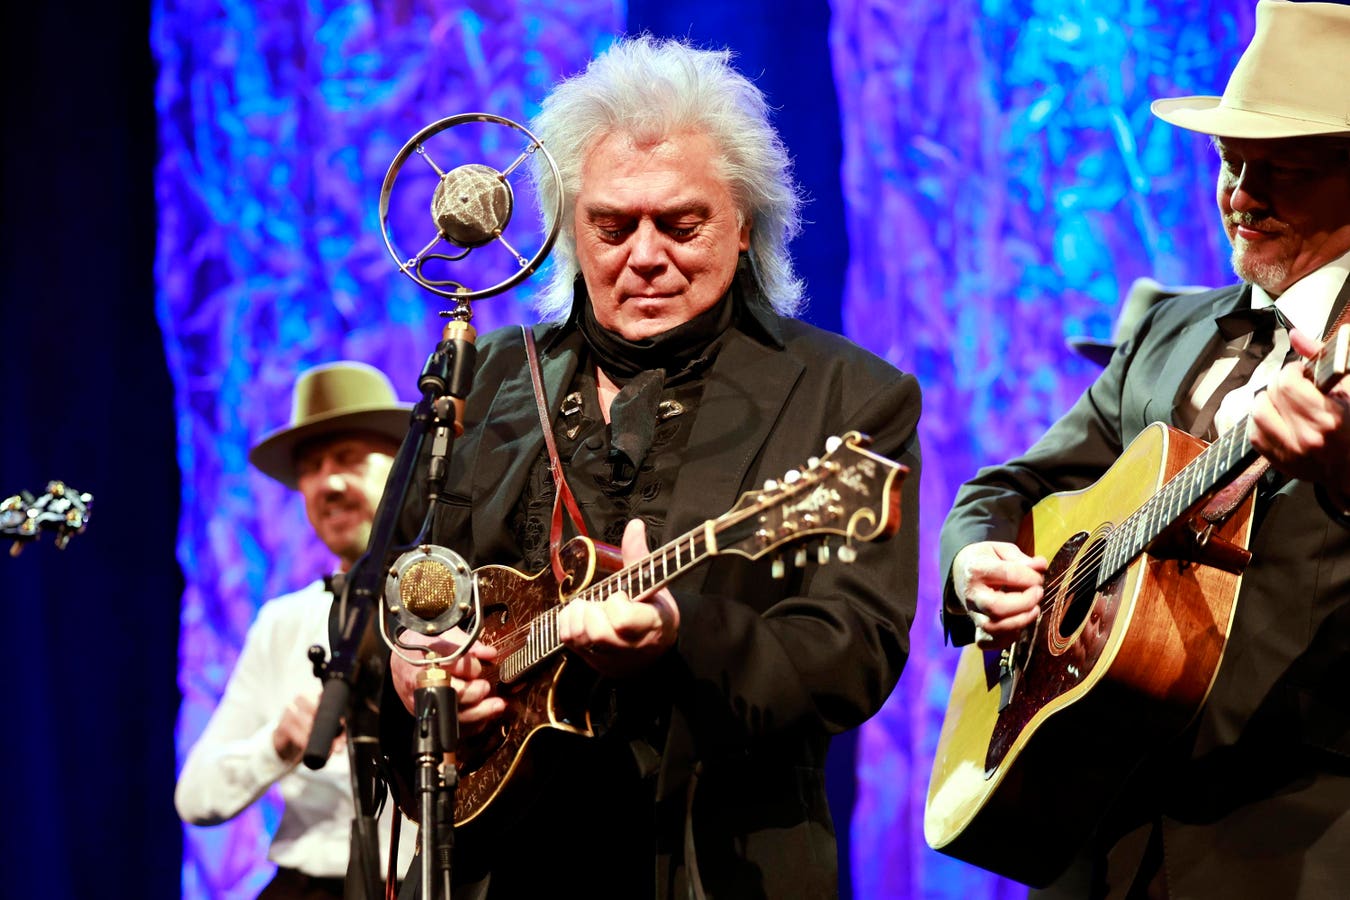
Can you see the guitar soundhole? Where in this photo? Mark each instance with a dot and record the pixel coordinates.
(1081, 589)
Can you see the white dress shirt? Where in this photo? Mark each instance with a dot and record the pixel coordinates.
(233, 763)
(1307, 305)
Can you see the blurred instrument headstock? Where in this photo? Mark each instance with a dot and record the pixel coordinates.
(60, 509)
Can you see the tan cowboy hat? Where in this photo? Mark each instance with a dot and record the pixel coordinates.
(335, 397)
(1142, 296)
(1290, 82)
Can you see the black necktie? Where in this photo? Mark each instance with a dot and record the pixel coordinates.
(1261, 325)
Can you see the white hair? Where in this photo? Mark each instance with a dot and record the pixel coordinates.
(650, 88)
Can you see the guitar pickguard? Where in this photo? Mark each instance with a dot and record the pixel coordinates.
(1063, 648)
(541, 701)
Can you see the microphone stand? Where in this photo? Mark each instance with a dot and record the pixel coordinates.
(437, 735)
(449, 374)
(354, 676)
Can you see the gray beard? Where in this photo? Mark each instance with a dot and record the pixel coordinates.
(1268, 275)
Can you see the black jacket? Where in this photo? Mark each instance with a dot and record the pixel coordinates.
(764, 671)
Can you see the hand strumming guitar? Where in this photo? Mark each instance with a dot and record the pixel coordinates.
(1000, 588)
(476, 704)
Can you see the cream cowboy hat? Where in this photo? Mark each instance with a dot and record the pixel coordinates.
(1291, 81)
(331, 398)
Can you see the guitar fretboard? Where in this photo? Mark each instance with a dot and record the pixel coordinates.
(1200, 476)
(655, 571)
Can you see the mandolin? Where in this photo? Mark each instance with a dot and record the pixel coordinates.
(848, 495)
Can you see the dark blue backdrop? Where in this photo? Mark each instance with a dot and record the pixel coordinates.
(91, 634)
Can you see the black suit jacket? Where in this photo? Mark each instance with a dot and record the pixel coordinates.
(1254, 800)
(764, 670)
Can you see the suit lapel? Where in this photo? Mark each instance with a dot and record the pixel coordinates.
(746, 390)
(1194, 349)
(512, 441)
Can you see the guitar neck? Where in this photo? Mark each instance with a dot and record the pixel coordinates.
(1210, 469)
(1220, 461)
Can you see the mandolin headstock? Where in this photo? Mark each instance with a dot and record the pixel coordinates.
(849, 493)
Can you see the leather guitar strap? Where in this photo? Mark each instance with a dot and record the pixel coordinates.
(562, 494)
(1228, 499)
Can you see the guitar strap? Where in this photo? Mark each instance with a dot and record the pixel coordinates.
(562, 494)
(1228, 499)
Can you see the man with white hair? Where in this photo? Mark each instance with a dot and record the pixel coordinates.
(1251, 800)
(676, 380)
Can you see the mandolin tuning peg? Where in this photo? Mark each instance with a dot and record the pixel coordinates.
(799, 558)
(770, 485)
(813, 462)
(823, 554)
(847, 554)
(792, 476)
(833, 443)
(778, 569)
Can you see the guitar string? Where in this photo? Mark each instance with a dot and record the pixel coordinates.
(1232, 448)
(1086, 567)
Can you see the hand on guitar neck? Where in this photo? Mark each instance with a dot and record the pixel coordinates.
(616, 636)
(1000, 588)
(1304, 432)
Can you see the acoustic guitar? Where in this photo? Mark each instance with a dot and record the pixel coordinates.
(850, 494)
(1139, 598)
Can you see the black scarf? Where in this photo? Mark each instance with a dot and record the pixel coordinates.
(673, 351)
(640, 369)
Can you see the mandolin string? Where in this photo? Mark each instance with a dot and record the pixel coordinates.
(599, 590)
(510, 642)
(513, 641)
